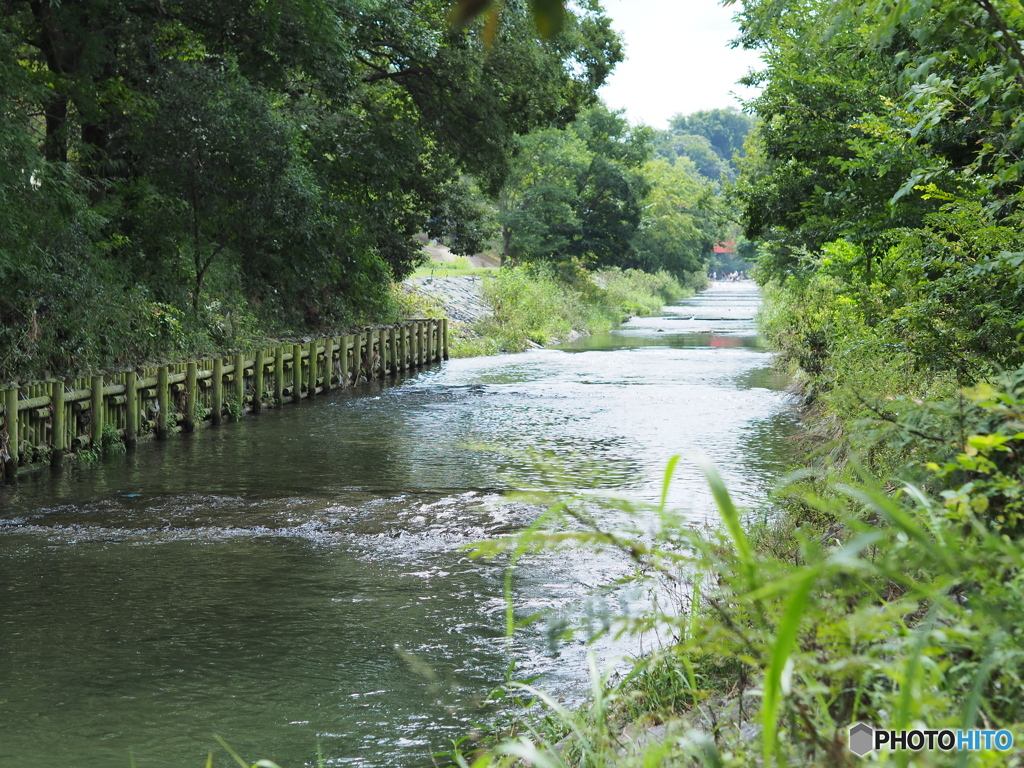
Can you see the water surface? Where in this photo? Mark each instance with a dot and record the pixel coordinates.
(295, 580)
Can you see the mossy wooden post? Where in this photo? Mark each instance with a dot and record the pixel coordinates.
(345, 342)
(393, 350)
(239, 385)
(328, 362)
(11, 418)
(257, 382)
(191, 394)
(444, 338)
(312, 373)
(296, 373)
(96, 434)
(431, 344)
(366, 342)
(26, 422)
(279, 375)
(131, 405)
(382, 352)
(163, 401)
(57, 401)
(218, 389)
(420, 339)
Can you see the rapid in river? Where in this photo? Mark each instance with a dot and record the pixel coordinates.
(296, 581)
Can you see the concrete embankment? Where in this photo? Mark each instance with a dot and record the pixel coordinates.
(462, 297)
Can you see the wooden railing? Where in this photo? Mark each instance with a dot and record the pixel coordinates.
(42, 421)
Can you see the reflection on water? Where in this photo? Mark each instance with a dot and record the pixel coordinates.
(296, 579)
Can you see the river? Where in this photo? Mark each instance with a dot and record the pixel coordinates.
(295, 582)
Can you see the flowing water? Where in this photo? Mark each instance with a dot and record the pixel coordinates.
(295, 582)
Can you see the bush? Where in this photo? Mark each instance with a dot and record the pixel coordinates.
(533, 304)
(541, 304)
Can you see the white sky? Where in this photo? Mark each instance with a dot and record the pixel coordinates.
(678, 59)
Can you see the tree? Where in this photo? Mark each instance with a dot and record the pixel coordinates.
(275, 157)
(680, 219)
(724, 129)
(575, 193)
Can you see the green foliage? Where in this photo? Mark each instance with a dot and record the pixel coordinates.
(589, 193)
(111, 442)
(233, 407)
(575, 194)
(713, 140)
(640, 293)
(681, 220)
(872, 115)
(461, 266)
(183, 177)
(896, 607)
(534, 305)
(540, 304)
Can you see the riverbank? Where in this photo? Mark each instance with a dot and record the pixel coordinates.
(878, 587)
(513, 309)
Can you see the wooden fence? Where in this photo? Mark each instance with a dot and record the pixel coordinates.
(44, 420)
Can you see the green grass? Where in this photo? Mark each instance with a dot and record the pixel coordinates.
(458, 268)
(541, 304)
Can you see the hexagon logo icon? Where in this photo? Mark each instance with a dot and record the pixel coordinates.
(862, 739)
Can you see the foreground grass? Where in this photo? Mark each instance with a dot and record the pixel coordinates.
(901, 608)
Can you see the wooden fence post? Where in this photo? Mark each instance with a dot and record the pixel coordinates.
(218, 389)
(393, 350)
(366, 339)
(239, 385)
(328, 362)
(296, 373)
(11, 419)
(191, 394)
(163, 401)
(257, 382)
(96, 433)
(279, 375)
(311, 386)
(57, 402)
(345, 340)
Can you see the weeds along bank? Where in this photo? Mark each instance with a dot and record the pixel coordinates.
(536, 305)
(883, 585)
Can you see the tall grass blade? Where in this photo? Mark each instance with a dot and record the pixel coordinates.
(913, 666)
(973, 703)
(231, 752)
(666, 482)
(731, 517)
(525, 750)
(786, 633)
